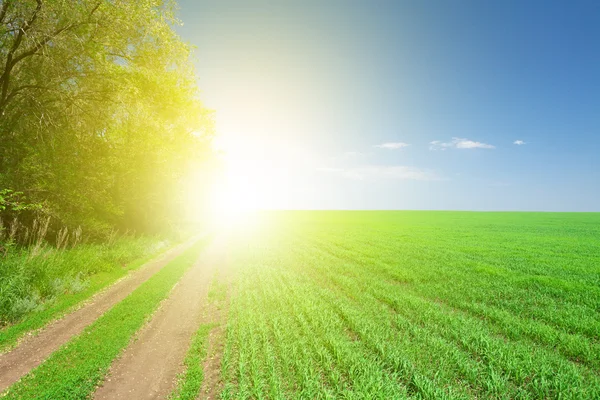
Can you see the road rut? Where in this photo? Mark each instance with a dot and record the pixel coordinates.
(148, 368)
(34, 349)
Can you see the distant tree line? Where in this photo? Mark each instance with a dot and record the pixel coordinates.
(99, 113)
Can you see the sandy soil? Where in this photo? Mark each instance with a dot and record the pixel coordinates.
(148, 368)
(32, 350)
(216, 313)
(212, 384)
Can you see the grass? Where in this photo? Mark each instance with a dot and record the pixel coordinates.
(74, 371)
(189, 383)
(438, 305)
(378, 305)
(38, 289)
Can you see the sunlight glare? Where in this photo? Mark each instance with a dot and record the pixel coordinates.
(244, 185)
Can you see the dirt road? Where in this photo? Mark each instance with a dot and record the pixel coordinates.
(34, 349)
(148, 368)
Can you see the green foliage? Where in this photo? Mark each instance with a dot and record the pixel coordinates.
(190, 382)
(12, 202)
(99, 115)
(33, 282)
(437, 305)
(74, 371)
(64, 302)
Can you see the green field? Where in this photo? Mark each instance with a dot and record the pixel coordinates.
(415, 305)
(369, 305)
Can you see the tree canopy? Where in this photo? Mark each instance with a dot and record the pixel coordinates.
(99, 110)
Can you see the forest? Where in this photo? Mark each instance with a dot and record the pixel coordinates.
(100, 124)
(100, 117)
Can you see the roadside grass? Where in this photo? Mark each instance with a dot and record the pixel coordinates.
(75, 370)
(217, 292)
(435, 305)
(190, 381)
(66, 278)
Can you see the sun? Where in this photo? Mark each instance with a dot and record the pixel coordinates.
(253, 173)
(240, 188)
(244, 184)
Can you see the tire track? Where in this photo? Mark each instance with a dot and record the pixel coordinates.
(148, 368)
(34, 349)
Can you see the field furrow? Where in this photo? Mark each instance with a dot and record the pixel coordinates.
(405, 305)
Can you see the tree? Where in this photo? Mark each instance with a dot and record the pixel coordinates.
(99, 111)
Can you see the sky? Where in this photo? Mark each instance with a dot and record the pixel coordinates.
(462, 105)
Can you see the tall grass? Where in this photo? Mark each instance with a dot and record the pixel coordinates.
(34, 275)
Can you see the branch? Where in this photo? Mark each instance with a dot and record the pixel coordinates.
(16, 91)
(48, 38)
(123, 56)
(41, 44)
(12, 59)
(5, 5)
(95, 8)
(5, 78)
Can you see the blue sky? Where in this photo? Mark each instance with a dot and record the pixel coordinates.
(308, 90)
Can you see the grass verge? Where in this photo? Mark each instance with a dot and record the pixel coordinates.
(190, 381)
(64, 303)
(74, 371)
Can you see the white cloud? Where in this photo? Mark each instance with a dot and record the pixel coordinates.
(399, 172)
(469, 144)
(519, 142)
(459, 143)
(392, 145)
(437, 145)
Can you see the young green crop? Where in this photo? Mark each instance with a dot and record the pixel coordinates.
(190, 381)
(416, 304)
(379, 305)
